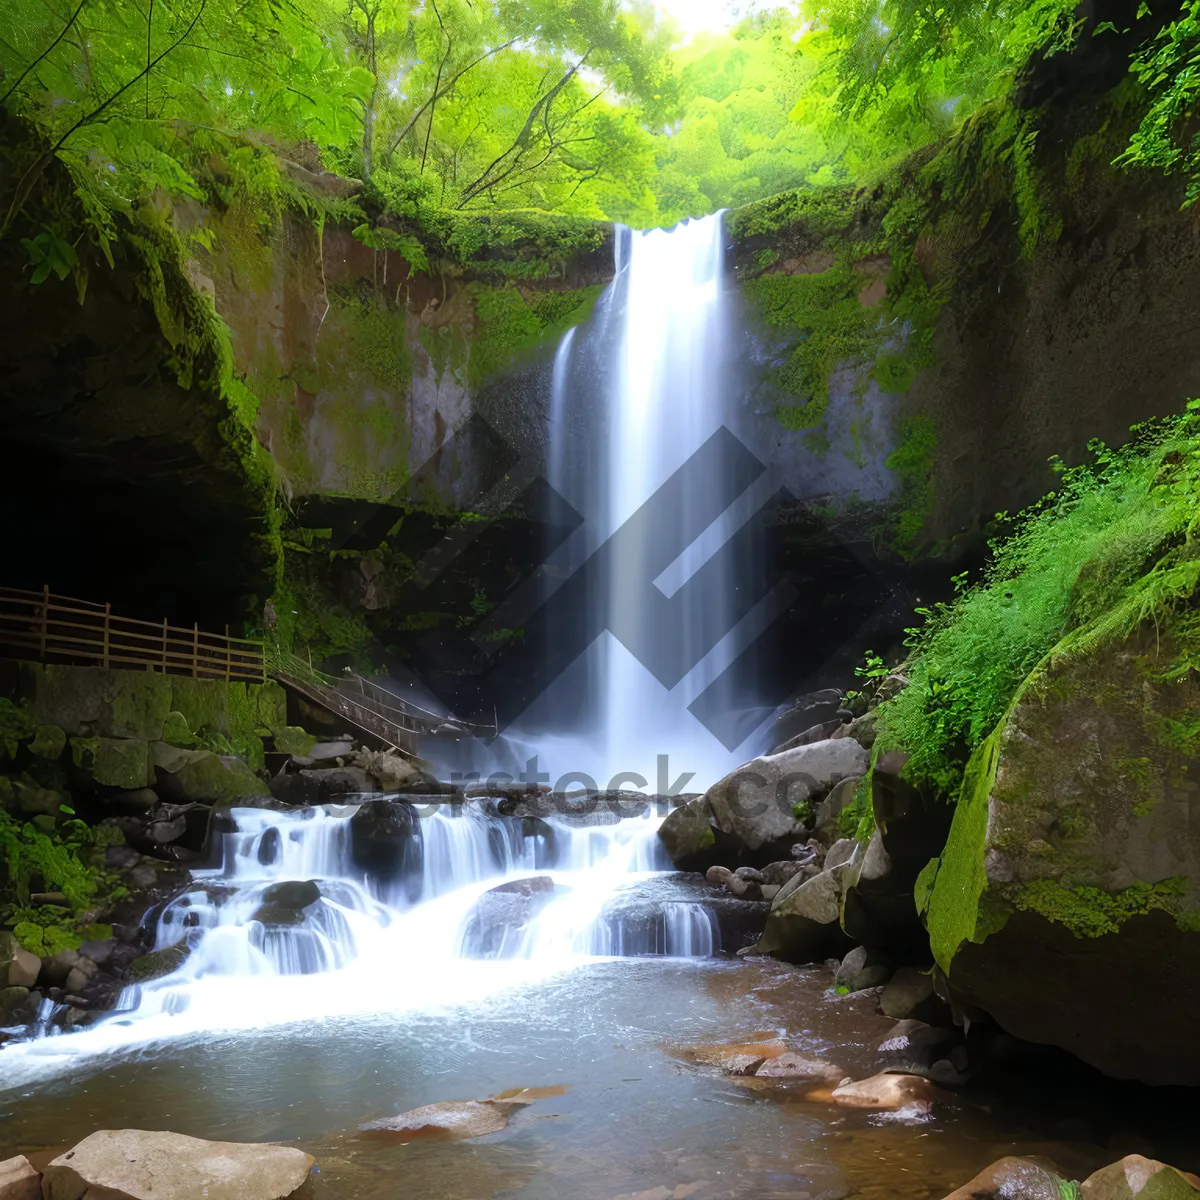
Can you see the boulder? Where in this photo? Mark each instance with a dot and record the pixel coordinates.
(762, 804)
(18, 1180)
(880, 909)
(139, 800)
(18, 967)
(1135, 1176)
(36, 801)
(92, 702)
(49, 741)
(136, 1164)
(386, 843)
(16, 1007)
(780, 872)
(883, 1093)
(1072, 868)
(392, 772)
(803, 924)
(159, 963)
(863, 968)
(1012, 1179)
(826, 825)
(718, 876)
(500, 916)
(814, 733)
(804, 712)
(284, 903)
(910, 994)
(199, 776)
(688, 836)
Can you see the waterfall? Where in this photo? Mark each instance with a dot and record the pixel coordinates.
(297, 924)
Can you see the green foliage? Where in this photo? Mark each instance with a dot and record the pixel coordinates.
(912, 460)
(1109, 548)
(514, 323)
(17, 724)
(1091, 912)
(1168, 66)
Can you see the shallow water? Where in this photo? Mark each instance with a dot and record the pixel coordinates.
(635, 1116)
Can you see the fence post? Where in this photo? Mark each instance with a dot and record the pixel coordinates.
(107, 616)
(45, 618)
(196, 650)
(164, 646)
(228, 654)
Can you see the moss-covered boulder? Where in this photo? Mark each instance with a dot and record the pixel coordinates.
(1067, 900)
(200, 776)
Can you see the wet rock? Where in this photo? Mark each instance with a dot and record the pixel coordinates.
(803, 924)
(915, 1048)
(688, 836)
(136, 1164)
(335, 784)
(737, 1058)
(718, 876)
(80, 975)
(862, 969)
(1012, 1179)
(159, 963)
(1135, 1176)
(385, 841)
(284, 903)
(18, 1180)
(749, 875)
(16, 1008)
(501, 915)
(884, 1093)
(796, 1066)
(910, 994)
(758, 804)
(57, 967)
(449, 1120)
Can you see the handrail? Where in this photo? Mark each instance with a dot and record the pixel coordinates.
(40, 625)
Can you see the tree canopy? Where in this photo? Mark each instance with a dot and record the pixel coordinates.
(585, 107)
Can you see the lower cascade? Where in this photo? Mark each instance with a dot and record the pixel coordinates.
(290, 926)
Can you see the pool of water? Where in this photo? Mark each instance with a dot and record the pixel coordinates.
(635, 1116)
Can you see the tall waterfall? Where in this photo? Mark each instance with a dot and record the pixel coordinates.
(639, 446)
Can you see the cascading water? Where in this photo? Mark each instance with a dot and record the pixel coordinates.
(291, 926)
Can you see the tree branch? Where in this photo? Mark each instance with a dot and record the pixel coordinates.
(44, 54)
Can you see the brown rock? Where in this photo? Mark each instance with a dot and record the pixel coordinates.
(1137, 1176)
(795, 1066)
(18, 1180)
(883, 1093)
(1011, 1179)
(137, 1164)
(448, 1120)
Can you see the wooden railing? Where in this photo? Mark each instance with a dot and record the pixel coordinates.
(42, 626)
(366, 704)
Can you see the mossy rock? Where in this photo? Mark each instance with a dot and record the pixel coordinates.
(176, 731)
(1072, 867)
(187, 776)
(49, 741)
(92, 702)
(159, 963)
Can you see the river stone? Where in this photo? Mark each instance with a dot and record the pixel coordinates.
(795, 1066)
(386, 842)
(449, 1120)
(757, 803)
(284, 903)
(884, 1093)
(1135, 1176)
(501, 915)
(861, 969)
(18, 1180)
(687, 835)
(159, 963)
(136, 1164)
(1012, 1179)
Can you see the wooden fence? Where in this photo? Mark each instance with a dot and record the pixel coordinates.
(42, 626)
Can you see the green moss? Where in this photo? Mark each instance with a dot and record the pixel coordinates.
(827, 328)
(824, 213)
(122, 763)
(912, 461)
(17, 724)
(48, 742)
(515, 323)
(291, 739)
(1090, 912)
